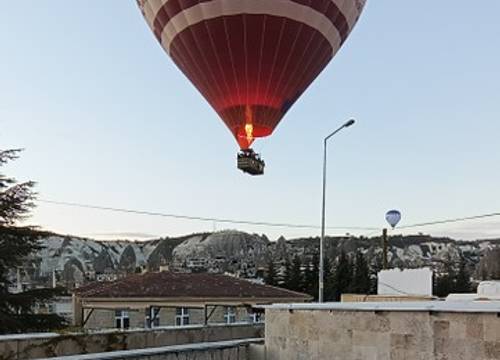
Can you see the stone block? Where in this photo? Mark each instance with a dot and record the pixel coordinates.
(403, 341)
(379, 323)
(8, 349)
(492, 349)
(136, 340)
(491, 325)
(474, 330)
(441, 329)
(256, 352)
(475, 349)
(457, 330)
(409, 322)
(278, 322)
(364, 338)
(451, 346)
(364, 353)
(384, 352)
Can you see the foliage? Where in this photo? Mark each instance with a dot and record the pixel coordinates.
(462, 280)
(271, 276)
(295, 280)
(361, 282)
(17, 243)
(16, 199)
(455, 278)
(311, 277)
(342, 276)
(284, 280)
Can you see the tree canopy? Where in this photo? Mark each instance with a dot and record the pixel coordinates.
(16, 243)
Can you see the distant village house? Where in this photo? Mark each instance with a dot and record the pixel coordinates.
(174, 299)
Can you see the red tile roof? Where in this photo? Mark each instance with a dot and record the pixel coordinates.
(185, 285)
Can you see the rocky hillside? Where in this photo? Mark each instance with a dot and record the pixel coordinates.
(72, 260)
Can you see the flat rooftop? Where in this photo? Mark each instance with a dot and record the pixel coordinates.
(435, 306)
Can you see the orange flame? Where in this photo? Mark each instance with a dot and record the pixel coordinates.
(249, 125)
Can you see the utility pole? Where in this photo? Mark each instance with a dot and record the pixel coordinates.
(384, 248)
(393, 217)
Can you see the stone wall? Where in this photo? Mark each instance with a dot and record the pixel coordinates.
(381, 335)
(227, 350)
(38, 346)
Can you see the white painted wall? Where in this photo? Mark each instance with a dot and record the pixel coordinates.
(489, 288)
(405, 282)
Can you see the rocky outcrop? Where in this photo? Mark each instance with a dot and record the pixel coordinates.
(103, 262)
(78, 259)
(489, 265)
(128, 260)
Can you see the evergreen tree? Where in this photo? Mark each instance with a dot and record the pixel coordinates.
(361, 277)
(342, 276)
(271, 276)
(285, 278)
(484, 273)
(16, 243)
(307, 279)
(328, 279)
(296, 281)
(311, 277)
(462, 280)
(445, 282)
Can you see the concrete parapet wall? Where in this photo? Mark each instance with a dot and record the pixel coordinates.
(381, 335)
(383, 298)
(233, 350)
(38, 346)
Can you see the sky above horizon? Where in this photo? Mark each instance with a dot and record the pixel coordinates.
(106, 118)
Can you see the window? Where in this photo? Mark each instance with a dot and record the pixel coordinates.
(229, 315)
(254, 317)
(153, 316)
(51, 309)
(122, 319)
(181, 316)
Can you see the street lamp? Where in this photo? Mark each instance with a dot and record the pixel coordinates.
(322, 240)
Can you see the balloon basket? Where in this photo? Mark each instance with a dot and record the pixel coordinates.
(249, 162)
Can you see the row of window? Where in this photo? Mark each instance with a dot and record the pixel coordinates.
(122, 319)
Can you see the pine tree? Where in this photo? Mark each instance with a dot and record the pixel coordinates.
(286, 275)
(307, 278)
(462, 280)
(361, 282)
(296, 281)
(342, 276)
(311, 277)
(271, 276)
(16, 243)
(328, 279)
(445, 282)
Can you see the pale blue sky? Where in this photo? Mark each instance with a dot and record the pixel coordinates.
(107, 119)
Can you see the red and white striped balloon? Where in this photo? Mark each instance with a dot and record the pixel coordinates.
(251, 59)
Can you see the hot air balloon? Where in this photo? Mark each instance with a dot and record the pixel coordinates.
(393, 217)
(251, 59)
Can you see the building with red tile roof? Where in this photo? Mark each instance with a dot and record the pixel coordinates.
(168, 298)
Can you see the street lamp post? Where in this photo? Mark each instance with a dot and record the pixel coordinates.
(322, 240)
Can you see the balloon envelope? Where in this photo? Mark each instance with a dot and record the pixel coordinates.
(251, 59)
(393, 217)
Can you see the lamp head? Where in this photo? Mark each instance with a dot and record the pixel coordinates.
(349, 123)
